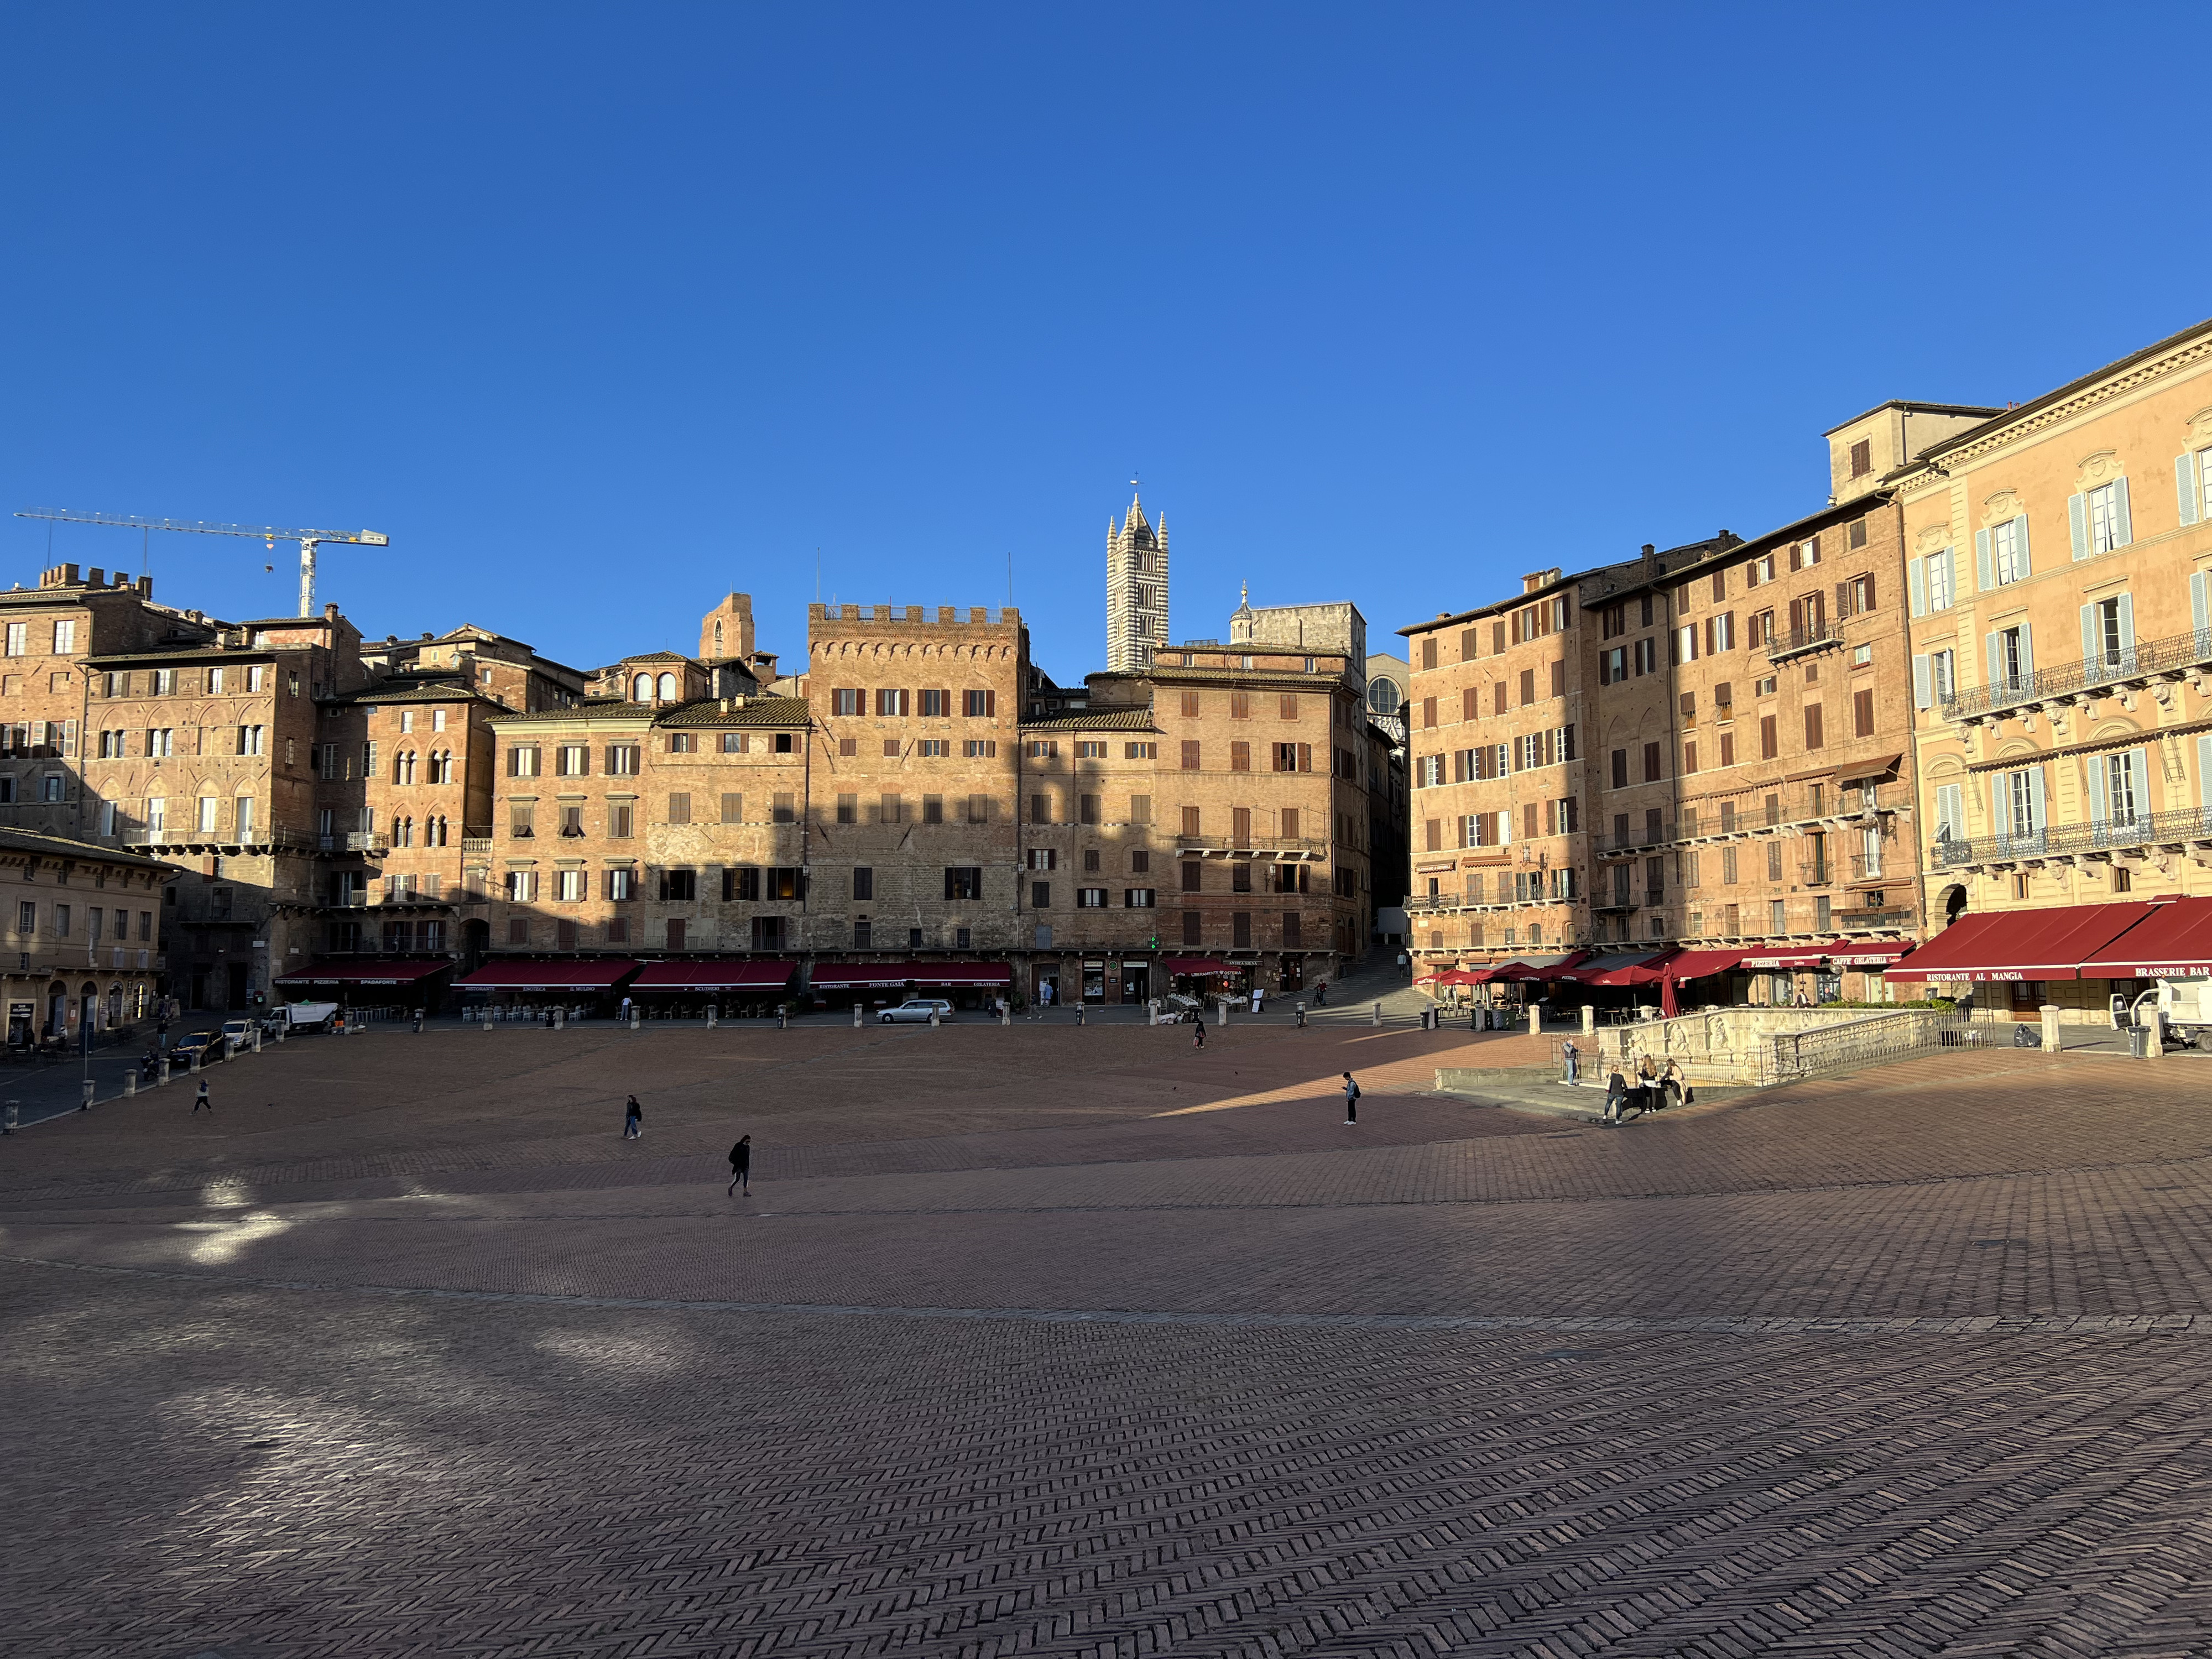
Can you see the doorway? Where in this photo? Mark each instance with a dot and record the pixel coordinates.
(239, 974)
(1136, 982)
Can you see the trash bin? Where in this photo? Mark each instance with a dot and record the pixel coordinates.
(2139, 1041)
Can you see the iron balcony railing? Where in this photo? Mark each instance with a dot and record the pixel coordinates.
(1634, 840)
(1299, 844)
(1863, 921)
(1798, 640)
(2067, 840)
(2145, 659)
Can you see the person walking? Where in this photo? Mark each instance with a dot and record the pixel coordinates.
(1616, 1097)
(1573, 1056)
(201, 1099)
(1351, 1099)
(741, 1165)
(1198, 1031)
(633, 1120)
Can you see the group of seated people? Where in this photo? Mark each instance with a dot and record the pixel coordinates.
(1651, 1090)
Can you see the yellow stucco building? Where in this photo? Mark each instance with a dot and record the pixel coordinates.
(2057, 555)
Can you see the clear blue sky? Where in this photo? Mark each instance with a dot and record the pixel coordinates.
(602, 313)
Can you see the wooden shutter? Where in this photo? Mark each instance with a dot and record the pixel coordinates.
(2188, 493)
(2077, 523)
(1917, 582)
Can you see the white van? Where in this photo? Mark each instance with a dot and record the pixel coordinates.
(2184, 1004)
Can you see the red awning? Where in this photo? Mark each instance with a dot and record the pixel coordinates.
(2021, 944)
(400, 972)
(1844, 953)
(959, 973)
(1622, 967)
(1796, 955)
(2174, 941)
(857, 975)
(1197, 967)
(578, 973)
(1696, 964)
(731, 975)
(889, 975)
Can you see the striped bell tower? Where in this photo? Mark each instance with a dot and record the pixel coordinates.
(1136, 590)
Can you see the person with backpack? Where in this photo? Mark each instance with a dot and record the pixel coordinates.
(741, 1165)
(1351, 1099)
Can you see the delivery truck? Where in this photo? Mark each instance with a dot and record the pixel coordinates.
(2183, 1007)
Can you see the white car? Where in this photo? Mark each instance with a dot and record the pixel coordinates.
(916, 1010)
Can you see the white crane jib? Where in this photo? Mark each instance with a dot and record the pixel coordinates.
(309, 539)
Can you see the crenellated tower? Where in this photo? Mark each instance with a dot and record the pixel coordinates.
(1136, 590)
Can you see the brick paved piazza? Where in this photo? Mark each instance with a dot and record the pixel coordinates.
(407, 1353)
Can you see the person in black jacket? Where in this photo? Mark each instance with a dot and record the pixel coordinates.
(741, 1165)
(633, 1120)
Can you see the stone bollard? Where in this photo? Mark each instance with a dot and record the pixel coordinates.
(8, 1117)
(283, 1030)
(1590, 1018)
(713, 1014)
(2049, 1028)
(130, 1083)
(932, 1019)
(1006, 1013)
(856, 1016)
(257, 1037)
(1078, 1014)
(1376, 1019)
(85, 1105)
(161, 1072)
(196, 1052)
(637, 1018)
(1535, 1022)
(486, 1020)
(782, 1016)
(2155, 1048)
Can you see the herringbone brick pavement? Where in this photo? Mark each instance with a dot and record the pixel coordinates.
(409, 1354)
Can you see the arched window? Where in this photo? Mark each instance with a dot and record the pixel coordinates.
(210, 812)
(642, 690)
(668, 687)
(718, 639)
(244, 809)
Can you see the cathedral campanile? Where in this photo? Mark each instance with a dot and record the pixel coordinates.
(1136, 590)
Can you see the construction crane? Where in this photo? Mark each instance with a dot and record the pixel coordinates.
(309, 539)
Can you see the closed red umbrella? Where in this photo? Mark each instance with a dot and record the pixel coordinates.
(1668, 1008)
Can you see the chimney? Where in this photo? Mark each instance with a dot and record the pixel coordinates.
(145, 587)
(96, 578)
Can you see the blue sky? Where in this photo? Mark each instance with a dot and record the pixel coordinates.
(601, 312)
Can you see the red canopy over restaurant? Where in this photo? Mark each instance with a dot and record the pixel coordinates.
(733, 975)
(363, 972)
(573, 974)
(2174, 941)
(2021, 944)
